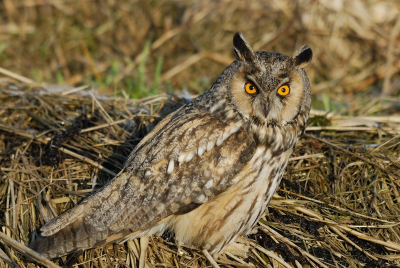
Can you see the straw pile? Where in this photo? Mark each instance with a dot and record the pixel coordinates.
(338, 205)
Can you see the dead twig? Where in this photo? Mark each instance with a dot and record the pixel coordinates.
(27, 251)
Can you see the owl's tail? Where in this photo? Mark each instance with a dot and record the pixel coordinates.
(70, 239)
(97, 221)
(79, 236)
(84, 226)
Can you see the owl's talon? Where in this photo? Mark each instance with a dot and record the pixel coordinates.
(238, 249)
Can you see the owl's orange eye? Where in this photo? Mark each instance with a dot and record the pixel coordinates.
(250, 88)
(283, 90)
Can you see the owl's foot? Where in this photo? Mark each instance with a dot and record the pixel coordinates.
(238, 249)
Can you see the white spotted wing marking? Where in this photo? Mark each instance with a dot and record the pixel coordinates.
(203, 147)
(189, 156)
(209, 184)
(170, 166)
(210, 145)
(201, 150)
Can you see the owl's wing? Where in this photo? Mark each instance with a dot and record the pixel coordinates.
(189, 158)
(189, 161)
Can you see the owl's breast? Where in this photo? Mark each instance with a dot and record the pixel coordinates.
(218, 222)
(268, 171)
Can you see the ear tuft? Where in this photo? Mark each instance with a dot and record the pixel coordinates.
(302, 57)
(242, 50)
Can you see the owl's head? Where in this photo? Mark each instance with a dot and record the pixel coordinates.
(269, 88)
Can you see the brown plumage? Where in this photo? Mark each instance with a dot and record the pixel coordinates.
(208, 170)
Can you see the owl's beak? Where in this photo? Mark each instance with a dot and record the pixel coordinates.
(266, 111)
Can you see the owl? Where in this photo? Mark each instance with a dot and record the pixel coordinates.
(208, 170)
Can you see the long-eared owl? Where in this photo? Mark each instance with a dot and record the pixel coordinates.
(208, 170)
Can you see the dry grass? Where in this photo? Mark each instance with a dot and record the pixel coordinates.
(338, 205)
(356, 44)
